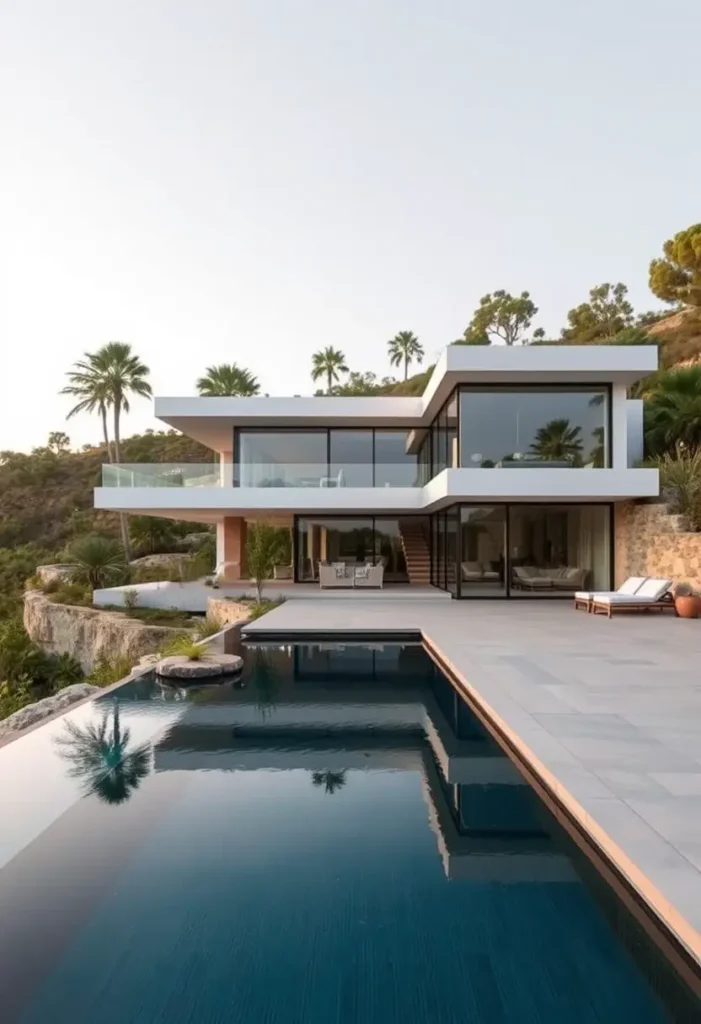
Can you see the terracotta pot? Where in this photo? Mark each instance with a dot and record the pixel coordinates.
(687, 606)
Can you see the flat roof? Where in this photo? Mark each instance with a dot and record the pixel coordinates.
(210, 420)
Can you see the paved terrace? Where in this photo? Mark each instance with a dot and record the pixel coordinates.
(610, 708)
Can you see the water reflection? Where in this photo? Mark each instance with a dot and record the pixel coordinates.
(99, 756)
(331, 781)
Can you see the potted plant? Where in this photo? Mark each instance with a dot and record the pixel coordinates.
(686, 601)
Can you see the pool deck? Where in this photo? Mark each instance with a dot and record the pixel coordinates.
(608, 713)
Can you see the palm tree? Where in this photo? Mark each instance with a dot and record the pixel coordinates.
(102, 381)
(228, 380)
(125, 374)
(88, 382)
(673, 409)
(97, 561)
(101, 758)
(329, 363)
(557, 441)
(331, 781)
(405, 347)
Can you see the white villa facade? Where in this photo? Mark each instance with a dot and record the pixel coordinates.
(499, 481)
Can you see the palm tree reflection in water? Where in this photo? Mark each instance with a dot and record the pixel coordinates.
(331, 781)
(99, 756)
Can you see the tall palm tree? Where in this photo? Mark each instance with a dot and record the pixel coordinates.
(598, 452)
(557, 441)
(88, 383)
(329, 363)
(405, 347)
(125, 375)
(228, 380)
(101, 759)
(331, 781)
(673, 409)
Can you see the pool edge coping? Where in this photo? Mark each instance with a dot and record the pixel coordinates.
(661, 914)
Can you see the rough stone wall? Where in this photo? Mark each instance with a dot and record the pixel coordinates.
(226, 613)
(88, 634)
(651, 542)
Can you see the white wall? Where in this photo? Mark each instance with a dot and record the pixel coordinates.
(634, 416)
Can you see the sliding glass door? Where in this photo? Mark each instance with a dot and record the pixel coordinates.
(521, 550)
(483, 550)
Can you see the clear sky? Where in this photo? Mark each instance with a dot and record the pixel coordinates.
(250, 180)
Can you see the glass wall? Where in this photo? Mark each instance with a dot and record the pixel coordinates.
(521, 550)
(394, 465)
(285, 458)
(558, 549)
(350, 458)
(516, 427)
(354, 540)
(483, 550)
(325, 458)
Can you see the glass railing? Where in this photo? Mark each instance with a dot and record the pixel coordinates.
(315, 475)
(162, 474)
(190, 474)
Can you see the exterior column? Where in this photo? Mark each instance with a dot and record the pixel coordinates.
(226, 469)
(231, 549)
(619, 425)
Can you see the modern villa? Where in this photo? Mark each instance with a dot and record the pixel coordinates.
(500, 481)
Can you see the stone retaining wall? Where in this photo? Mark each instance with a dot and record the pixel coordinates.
(227, 613)
(651, 542)
(88, 634)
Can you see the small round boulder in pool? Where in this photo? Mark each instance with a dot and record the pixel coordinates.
(335, 839)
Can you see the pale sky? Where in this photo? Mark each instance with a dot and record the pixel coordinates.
(251, 180)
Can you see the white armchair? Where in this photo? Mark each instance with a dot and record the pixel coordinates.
(373, 577)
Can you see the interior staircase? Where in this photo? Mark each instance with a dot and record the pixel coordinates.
(416, 551)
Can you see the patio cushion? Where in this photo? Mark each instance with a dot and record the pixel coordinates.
(653, 589)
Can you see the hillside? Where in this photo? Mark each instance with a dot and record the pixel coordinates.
(46, 497)
(679, 337)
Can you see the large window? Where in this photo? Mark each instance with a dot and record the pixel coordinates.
(285, 458)
(394, 465)
(517, 427)
(325, 458)
(355, 540)
(558, 549)
(521, 550)
(350, 458)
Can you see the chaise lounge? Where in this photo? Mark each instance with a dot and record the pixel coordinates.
(653, 594)
(584, 598)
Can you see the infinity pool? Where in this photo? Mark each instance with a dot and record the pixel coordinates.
(331, 839)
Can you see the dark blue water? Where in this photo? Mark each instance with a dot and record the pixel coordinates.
(333, 839)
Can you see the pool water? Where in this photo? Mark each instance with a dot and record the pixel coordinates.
(333, 838)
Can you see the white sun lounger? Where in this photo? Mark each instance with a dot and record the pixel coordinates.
(583, 598)
(652, 594)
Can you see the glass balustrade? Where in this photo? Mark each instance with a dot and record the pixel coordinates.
(354, 475)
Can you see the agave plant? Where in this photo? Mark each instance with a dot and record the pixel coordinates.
(99, 755)
(97, 561)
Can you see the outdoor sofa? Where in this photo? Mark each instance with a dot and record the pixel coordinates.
(338, 574)
(531, 577)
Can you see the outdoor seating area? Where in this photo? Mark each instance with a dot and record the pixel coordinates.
(531, 577)
(637, 593)
(341, 574)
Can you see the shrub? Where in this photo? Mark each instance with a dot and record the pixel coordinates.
(263, 550)
(680, 482)
(107, 671)
(258, 608)
(206, 627)
(98, 562)
(131, 598)
(70, 593)
(152, 535)
(187, 648)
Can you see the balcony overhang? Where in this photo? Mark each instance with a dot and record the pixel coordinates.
(210, 504)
